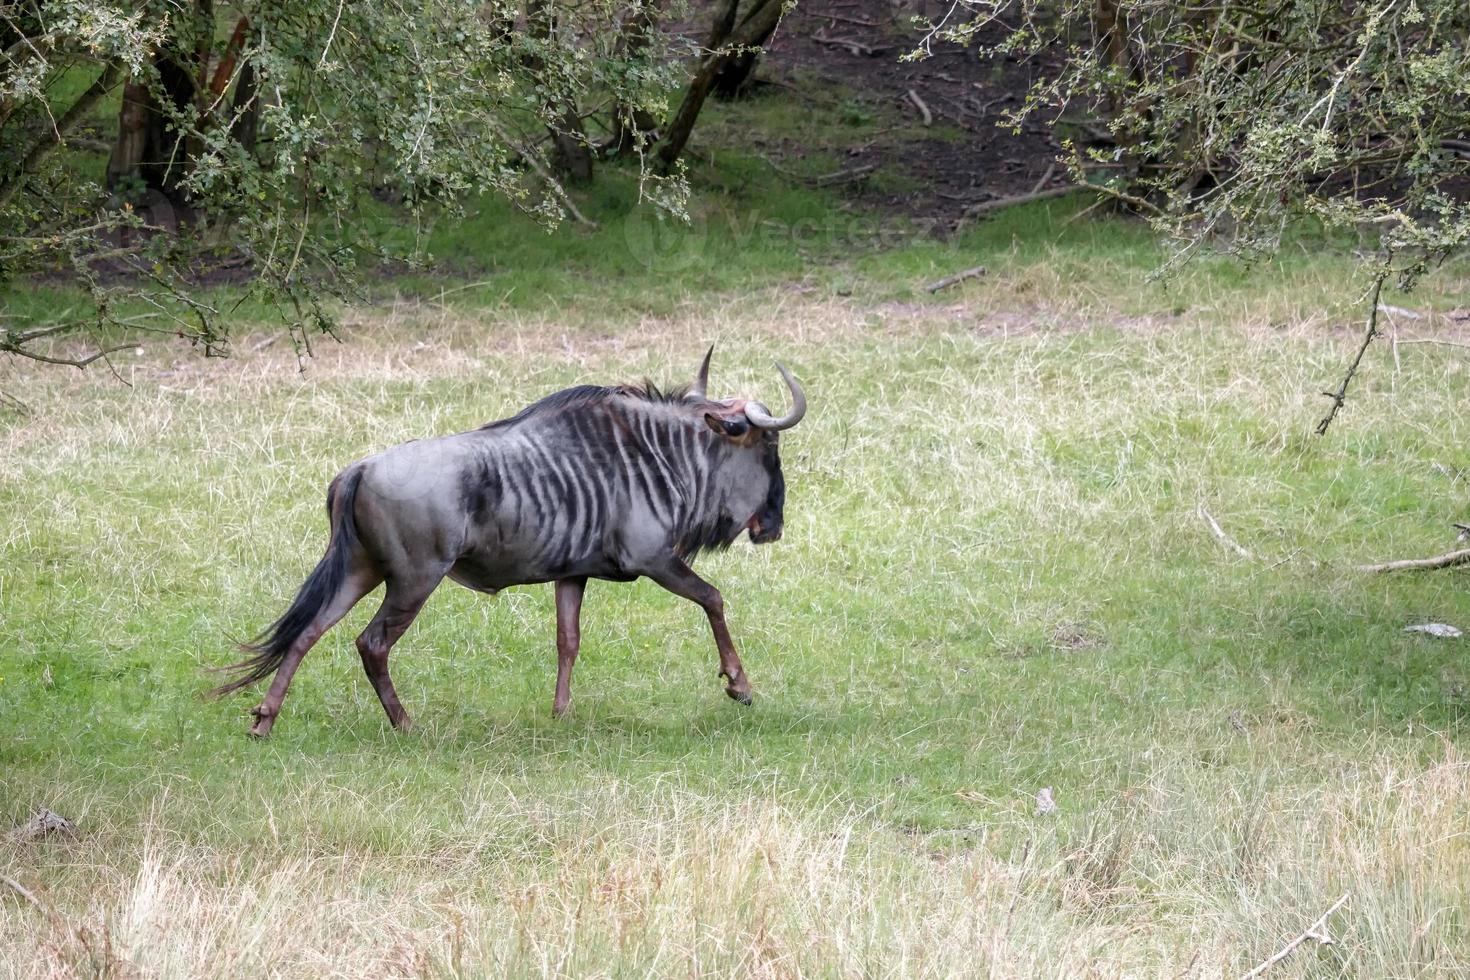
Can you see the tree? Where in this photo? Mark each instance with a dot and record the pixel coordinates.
(633, 125)
(1229, 121)
(265, 140)
(733, 33)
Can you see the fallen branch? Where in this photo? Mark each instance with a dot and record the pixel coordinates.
(1224, 538)
(852, 46)
(1001, 203)
(22, 891)
(6, 398)
(1132, 200)
(1045, 179)
(848, 20)
(955, 279)
(843, 176)
(923, 109)
(1407, 314)
(791, 174)
(1429, 340)
(1317, 930)
(821, 180)
(1446, 560)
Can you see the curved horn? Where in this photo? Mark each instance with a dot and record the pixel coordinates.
(701, 380)
(760, 418)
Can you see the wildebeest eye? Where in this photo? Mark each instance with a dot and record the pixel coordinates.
(734, 429)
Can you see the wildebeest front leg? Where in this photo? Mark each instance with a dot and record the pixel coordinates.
(401, 604)
(681, 580)
(568, 638)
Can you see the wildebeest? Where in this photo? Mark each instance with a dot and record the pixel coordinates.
(590, 482)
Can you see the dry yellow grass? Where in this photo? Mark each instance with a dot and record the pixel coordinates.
(1178, 879)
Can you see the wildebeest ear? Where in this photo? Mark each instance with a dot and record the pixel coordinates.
(725, 427)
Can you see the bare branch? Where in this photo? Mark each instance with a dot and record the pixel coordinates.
(1222, 537)
(1001, 203)
(53, 137)
(958, 277)
(22, 891)
(76, 362)
(1340, 394)
(1447, 560)
(1317, 930)
(918, 103)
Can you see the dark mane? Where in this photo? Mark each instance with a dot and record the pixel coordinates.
(589, 394)
(649, 392)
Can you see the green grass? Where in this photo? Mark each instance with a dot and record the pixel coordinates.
(994, 579)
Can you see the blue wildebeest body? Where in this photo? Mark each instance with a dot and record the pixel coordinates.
(612, 483)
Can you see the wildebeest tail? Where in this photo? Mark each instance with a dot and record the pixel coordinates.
(320, 587)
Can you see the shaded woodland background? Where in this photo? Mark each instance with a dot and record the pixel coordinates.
(245, 143)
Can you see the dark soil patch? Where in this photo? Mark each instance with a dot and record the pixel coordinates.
(983, 160)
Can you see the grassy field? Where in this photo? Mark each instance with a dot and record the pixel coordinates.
(996, 578)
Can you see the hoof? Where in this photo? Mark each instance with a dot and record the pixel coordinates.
(263, 723)
(741, 693)
(403, 724)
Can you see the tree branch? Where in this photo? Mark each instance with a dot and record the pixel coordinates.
(955, 279)
(557, 191)
(1317, 930)
(76, 362)
(53, 137)
(1372, 331)
(21, 890)
(1001, 203)
(1446, 560)
(1220, 534)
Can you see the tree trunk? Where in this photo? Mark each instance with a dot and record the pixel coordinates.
(166, 154)
(571, 155)
(733, 80)
(723, 24)
(759, 23)
(132, 134)
(1115, 44)
(632, 123)
(245, 109)
(149, 145)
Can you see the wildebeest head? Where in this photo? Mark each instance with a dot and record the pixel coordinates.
(752, 436)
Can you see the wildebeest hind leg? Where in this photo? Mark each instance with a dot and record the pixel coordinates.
(354, 587)
(568, 638)
(681, 580)
(400, 605)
